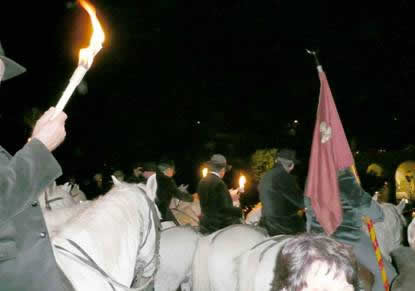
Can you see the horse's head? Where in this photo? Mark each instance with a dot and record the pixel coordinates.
(55, 197)
(77, 194)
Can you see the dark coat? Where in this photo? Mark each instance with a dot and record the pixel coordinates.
(216, 205)
(27, 262)
(355, 203)
(281, 200)
(166, 190)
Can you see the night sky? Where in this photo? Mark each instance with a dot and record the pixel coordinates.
(182, 79)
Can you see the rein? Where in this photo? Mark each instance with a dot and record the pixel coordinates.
(88, 261)
(48, 201)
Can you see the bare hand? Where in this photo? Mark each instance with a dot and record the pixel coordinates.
(183, 188)
(234, 194)
(50, 132)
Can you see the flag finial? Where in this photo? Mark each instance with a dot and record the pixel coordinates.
(314, 53)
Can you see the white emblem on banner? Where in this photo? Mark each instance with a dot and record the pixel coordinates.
(325, 131)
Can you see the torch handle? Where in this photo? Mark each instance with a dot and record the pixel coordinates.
(76, 78)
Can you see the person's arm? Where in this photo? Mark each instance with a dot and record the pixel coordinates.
(308, 212)
(24, 176)
(352, 191)
(224, 201)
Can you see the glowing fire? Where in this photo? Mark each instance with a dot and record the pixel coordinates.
(242, 181)
(86, 55)
(204, 172)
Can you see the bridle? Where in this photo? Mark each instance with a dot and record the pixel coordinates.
(47, 201)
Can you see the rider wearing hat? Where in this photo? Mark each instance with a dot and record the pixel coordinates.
(281, 197)
(27, 262)
(215, 199)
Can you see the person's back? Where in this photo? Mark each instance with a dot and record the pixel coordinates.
(215, 200)
(167, 189)
(275, 199)
(281, 198)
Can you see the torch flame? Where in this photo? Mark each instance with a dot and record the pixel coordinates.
(86, 55)
(242, 181)
(204, 172)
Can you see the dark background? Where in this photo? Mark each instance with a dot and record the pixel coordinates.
(184, 79)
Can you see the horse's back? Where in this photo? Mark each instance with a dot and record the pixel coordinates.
(177, 247)
(256, 266)
(221, 249)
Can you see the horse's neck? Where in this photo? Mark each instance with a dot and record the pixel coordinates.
(57, 218)
(110, 231)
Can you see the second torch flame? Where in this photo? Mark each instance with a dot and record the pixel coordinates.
(242, 181)
(86, 57)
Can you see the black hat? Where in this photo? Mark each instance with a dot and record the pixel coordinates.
(12, 69)
(218, 161)
(149, 166)
(288, 154)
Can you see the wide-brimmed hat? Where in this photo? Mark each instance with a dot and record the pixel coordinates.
(149, 167)
(12, 69)
(289, 155)
(218, 161)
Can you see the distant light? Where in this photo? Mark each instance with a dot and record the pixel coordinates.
(395, 118)
(357, 152)
(198, 122)
(296, 121)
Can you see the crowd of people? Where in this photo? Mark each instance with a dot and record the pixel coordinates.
(25, 247)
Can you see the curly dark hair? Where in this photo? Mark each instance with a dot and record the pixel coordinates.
(296, 257)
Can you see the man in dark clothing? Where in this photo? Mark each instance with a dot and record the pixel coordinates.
(282, 200)
(167, 189)
(27, 262)
(215, 200)
(356, 203)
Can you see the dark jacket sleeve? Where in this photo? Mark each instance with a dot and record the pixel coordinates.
(24, 176)
(224, 201)
(352, 191)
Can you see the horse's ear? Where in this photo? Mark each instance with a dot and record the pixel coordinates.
(401, 206)
(67, 187)
(115, 180)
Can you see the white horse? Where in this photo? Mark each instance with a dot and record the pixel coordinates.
(390, 231)
(111, 244)
(214, 261)
(411, 234)
(177, 248)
